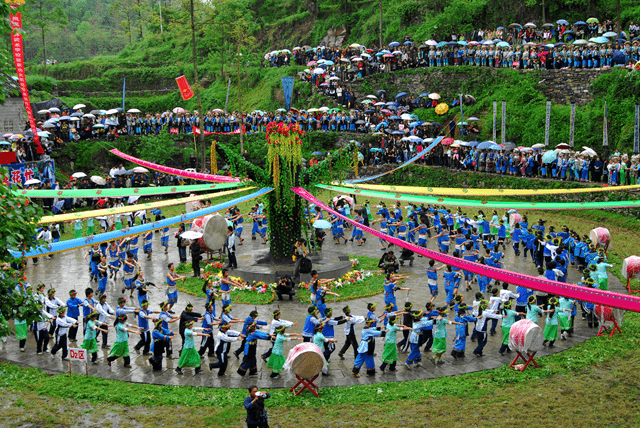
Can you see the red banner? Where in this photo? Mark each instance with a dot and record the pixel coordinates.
(185, 89)
(196, 131)
(18, 59)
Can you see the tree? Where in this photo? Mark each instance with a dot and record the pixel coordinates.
(43, 15)
(18, 218)
(124, 9)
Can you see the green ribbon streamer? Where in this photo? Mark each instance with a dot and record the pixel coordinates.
(130, 191)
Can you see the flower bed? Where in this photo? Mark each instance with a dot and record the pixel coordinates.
(258, 293)
(355, 284)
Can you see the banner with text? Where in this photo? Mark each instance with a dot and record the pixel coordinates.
(287, 89)
(18, 59)
(572, 123)
(547, 124)
(504, 122)
(185, 89)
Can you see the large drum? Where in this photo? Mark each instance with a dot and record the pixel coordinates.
(214, 231)
(631, 267)
(525, 336)
(607, 313)
(306, 360)
(600, 237)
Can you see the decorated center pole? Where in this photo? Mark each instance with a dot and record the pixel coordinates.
(284, 208)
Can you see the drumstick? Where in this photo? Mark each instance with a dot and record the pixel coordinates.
(407, 297)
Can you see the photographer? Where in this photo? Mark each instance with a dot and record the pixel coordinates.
(285, 286)
(254, 404)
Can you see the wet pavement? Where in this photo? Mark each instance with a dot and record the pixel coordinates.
(68, 271)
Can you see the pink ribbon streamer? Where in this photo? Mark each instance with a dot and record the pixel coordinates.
(593, 295)
(175, 171)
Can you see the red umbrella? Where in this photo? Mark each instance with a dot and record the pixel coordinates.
(447, 141)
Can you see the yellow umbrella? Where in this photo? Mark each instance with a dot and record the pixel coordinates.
(442, 108)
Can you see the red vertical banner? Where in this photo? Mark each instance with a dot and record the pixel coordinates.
(185, 89)
(18, 59)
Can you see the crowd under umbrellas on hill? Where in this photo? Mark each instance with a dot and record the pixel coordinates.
(560, 45)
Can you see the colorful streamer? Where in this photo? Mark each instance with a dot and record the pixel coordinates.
(131, 208)
(409, 162)
(174, 171)
(457, 191)
(483, 204)
(607, 298)
(125, 191)
(72, 244)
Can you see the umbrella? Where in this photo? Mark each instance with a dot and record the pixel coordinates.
(442, 108)
(54, 110)
(133, 110)
(379, 104)
(422, 95)
(345, 60)
(77, 114)
(317, 153)
(462, 123)
(515, 25)
(98, 180)
(318, 70)
(396, 53)
(179, 110)
(406, 116)
(408, 42)
(49, 125)
(109, 123)
(356, 59)
(97, 111)
(99, 125)
(280, 109)
(473, 119)
(434, 96)
(140, 169)
(112, 111)
(530, 25)
(503, 44)
(75, 118)
(354, 45)
(593, 21)
(562, 22)
(447, 141)
(78, 175)
(191, 235)
(548, 25)
(589, 151)
(322, 224)
(78, 106)
(441, 44)
(580, 23)
(89, 116)
(549, 156)
(65, 118)
(394, 44)
(43, 134)
(430, 43)
(538, 146)
(580, 42)
(470, 98)
(5, 143)
(323, 108)
(373, 97)
(610, 34)
(456, 145)
(43, 111)
(32, 181)
(485, 145)
(509, 146)
(366, 102)
(563, 146)
(462, 43)
(376, 149)
(601, 40)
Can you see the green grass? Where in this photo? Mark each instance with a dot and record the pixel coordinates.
(366, 288)
(193, 287)
(366, 262)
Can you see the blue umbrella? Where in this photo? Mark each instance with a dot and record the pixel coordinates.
(401, 95)
(395, 118)
(4, 143)
(322, 224)
(568, 32)
(385, 51)
(503, 44)
(397, 133)
(65, 118)
(500, 28)
(562, 22)
(580, 23)
(392, 107)
(485, 145)
(369, 111)
(76, 115)
(317, 153)
(408, 42)
(375, 149)
(422, 95)
(394, 44)
(329, 63)
(601, 40)
(381, 91)
(549, 156)
(441, 44)
(463, 43)
(110, 123)
(495, 147)
(472, 144)
(557, 45)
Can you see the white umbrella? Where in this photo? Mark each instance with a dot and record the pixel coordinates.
(373, 97)
(473, 119)
(98, 180)
(112, 111)
(54, 110)
(133, 110)
(78, 106)
(589, 151)
(312, 110)
(318, 71)
(538, 146)
(191, 234)
(178, 110)
(434, 96)
(354, 45)
(89, 115)
(140, 169)
(43, 111)
(406, 117)
(78, 175)
(32, 181)
(323, 109)
(380, 104)
(334, 78)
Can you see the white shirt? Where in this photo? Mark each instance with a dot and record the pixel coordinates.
(278, 323)
(105, 311)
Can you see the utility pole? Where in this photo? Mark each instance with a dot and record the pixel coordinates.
(239, 59)
(380, 47)
(160, 6)
(195, 72)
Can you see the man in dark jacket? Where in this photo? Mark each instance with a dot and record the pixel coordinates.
(254, 405)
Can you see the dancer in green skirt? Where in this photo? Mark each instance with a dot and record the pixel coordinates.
(390, 352)
(440, 334)
(277, 359)
(551, 328)
(90, 333)
(121, 347)
(189, 357)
